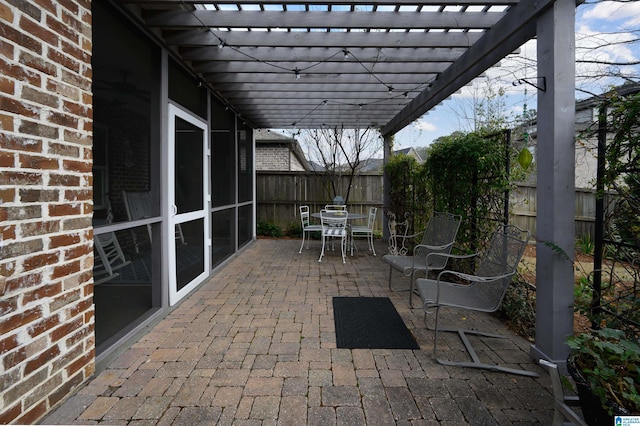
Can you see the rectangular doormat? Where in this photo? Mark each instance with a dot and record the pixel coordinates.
(370, 323)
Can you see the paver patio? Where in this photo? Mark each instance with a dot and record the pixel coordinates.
(256, 345)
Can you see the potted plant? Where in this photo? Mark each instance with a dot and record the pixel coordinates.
(605, 365)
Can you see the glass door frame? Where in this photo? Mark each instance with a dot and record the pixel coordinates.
(175, 112)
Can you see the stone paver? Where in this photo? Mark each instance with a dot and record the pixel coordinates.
(256, 345)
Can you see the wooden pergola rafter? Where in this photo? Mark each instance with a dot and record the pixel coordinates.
(352, 63)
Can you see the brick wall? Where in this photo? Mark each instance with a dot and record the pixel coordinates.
(46, 311)
(272, 157)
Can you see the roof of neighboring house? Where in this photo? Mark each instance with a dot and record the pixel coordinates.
(265, 137)
(376, 164)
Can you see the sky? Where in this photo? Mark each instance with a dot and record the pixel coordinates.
(601, 26)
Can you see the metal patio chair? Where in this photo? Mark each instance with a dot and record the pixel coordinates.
(334, 227)
(307, 227)
(438, 237)
(365, 231)
(482, 291)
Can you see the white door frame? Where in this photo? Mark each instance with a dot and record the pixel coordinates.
(176, 295)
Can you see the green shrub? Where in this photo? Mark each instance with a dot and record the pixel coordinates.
(268, 230)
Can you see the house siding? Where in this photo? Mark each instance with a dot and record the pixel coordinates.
(46, 243)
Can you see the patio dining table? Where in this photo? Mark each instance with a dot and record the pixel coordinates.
(350, 216)
(338, 213)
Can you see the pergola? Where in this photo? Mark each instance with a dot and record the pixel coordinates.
(384, 63)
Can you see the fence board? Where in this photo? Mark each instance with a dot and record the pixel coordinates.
(279, 194)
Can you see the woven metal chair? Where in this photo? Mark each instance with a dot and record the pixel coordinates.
(438, 237)
(482, 291)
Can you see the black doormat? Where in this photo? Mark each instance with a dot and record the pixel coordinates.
(370, 323)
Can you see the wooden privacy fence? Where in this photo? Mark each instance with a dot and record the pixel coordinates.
(279, 194)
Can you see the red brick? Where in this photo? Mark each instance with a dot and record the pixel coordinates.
(8, 343)
(77, 252)
(80, 307)
(47, 5)
(7, 86)
(63, 209)
(66, 329)
(74, 367)
(6, 122)
(7, 159)
(7, 195)
(79, 195)
(18, 320)
(77, 166)
(39, 261)
(78, 109)
(64, 300)
(64, 240)
(19, 108)
(65, 270)
(33, 414)
(8, 305)
(75, 51)
(14, 358)
(18, 72)
(63, 119)
(63, 180)
(38, 162)
(36, 30)
(7, 269)
(9, 415)
(76, 80)
(7, 233)
(14, 178)
(71, 6)
(45, 291)
(38, 63)
(77, 138)
(6, 14)
(20, 38)
(44, 325)
(24, 281)
(20, 143)
(65, 30)
(64, 60)
(42, 359)
(78, 336)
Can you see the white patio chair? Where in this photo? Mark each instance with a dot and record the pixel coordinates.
(438, 237)
(307, 227)
(110, 258)
(482, 291)
(342, 207)
(365, 231)
(334, 227)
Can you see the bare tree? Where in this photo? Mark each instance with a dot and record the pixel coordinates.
(340, 154)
